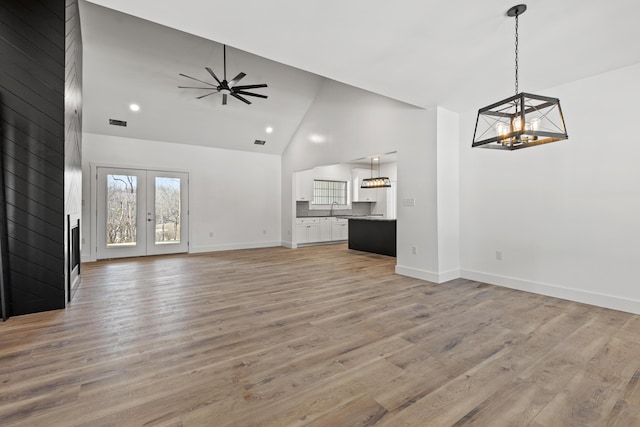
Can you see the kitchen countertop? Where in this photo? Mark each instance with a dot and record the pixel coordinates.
(359, 217)
(334, 216)
(372, 218)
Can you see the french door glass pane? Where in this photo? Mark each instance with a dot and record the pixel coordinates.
(121, 210)
(167, 210)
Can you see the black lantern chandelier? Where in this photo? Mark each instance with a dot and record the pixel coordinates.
(378, 181)
(523, 120)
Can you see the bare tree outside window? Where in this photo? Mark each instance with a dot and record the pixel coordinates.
(168, 210)
(121, 210)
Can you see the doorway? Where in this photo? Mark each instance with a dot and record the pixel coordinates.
(141, 212)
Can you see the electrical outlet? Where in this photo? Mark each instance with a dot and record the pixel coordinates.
(264, 231)
(211, 234)
(499, 255)
(414, 250)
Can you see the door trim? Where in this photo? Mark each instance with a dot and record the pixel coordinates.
(89, 217)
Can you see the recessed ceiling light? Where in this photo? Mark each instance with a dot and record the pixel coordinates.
(269, 129)
(134, 107)
(317, 139)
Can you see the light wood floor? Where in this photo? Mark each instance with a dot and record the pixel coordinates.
(318, 336)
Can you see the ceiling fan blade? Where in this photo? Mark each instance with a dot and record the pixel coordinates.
(193, 78)
(246, 101)
(193, 87)
(213, 75)
(241, 92)
(224, 99)
(236, 79)
(200, 97)
(250, 86)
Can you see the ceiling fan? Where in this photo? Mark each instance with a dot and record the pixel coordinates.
(225, 87)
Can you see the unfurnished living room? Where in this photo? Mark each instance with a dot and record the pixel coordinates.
(320, 213)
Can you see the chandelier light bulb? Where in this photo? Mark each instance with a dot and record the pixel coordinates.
(517, 123)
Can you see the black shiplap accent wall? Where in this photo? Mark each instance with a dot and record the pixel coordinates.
(32, 120)
(73, 124)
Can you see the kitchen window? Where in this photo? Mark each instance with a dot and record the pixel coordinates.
(329, 192)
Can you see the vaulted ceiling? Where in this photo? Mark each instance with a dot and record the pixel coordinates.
(456, 54)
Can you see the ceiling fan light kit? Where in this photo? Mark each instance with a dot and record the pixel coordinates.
(226, 87)
(520, 121)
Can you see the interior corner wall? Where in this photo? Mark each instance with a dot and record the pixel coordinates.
(448, 195)
(234, 196)
(563, 216)
(32, 90)
(345, 123)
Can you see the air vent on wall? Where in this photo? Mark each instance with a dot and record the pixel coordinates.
(259, 142)
(117, 122)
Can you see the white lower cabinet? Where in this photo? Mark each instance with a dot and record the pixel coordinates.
(321, 229)
(325, 228)
(307, 230)
(340, 229)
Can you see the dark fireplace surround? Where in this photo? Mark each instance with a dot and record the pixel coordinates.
(40, 155)
(73, 254)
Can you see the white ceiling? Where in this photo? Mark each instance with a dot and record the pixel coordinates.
(457, 54)
(129, 60)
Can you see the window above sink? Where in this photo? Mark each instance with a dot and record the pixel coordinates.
(328, 192)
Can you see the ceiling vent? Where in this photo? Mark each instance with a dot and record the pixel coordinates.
(115, 122)
(259, 142)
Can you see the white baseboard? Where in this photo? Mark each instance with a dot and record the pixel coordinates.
(88, 258)
(289, 245)
(449, 275)
(233, 246)
(571, 294)
(429, 276)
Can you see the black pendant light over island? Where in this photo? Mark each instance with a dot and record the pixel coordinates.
(378, 181)
(523, 120)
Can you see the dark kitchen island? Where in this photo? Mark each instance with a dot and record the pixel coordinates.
(373, 234)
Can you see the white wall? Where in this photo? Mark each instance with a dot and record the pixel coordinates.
(345, 123)
(448, 195)
(233, 194)
(566, 215)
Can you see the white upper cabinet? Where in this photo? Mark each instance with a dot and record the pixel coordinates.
(362, 194)
(304, 185)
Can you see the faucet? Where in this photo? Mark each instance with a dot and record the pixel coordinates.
(331, 211)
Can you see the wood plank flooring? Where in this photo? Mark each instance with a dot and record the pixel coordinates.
(318, 336)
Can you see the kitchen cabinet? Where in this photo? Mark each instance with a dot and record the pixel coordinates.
(362, 194)
(304, 185)
(321, 229)
(325, 228)
(307, 230)
(340, 229)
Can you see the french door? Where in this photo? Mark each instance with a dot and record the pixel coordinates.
(141, 212)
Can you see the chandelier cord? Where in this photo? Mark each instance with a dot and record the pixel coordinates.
(516, 53)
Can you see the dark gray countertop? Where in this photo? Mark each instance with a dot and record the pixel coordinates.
(336, 216)
(371, 218)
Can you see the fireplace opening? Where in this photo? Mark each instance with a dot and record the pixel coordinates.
(73, 255)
